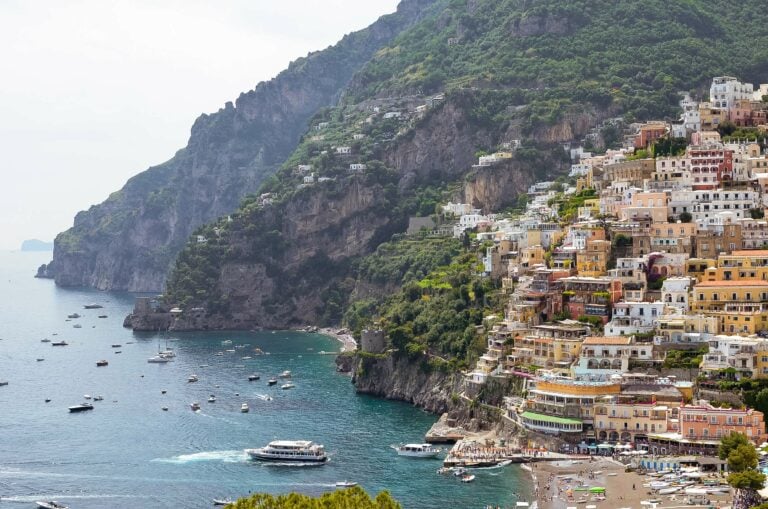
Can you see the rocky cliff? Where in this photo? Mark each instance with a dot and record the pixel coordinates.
(129, 241)
(398, 378)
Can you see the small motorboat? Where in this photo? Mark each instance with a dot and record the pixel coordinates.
(3, 382)
(83, 407)
(346, 484)
(223, 501)
(59, 343)
(212, 399)
(103, 316)
(247, 357)
(47, 400)
(50, 504)
(287, 386)
(459, 471)
(86, 396)
(77, 326)
(192, 379)
(40, 359)
(118, 351)
(98, 398)
(195, 406)
(163, 391)
(73, 315)
(285, 374)
(226, 342)
(244, 408)
(158, 359)
(93, 306)
(45, 340)
(116, 345)
(101, 363)
(253, 378)
(264, 397)
(165, 409)
(467, 478)
(272, 381)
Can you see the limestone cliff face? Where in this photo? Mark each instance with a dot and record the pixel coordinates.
(129, 241)
(494, 188)
(397, 378)
(490, 189)
(280, 282)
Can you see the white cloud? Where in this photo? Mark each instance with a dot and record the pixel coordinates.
(94, 91)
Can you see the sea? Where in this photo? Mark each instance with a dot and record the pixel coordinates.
(130, 453)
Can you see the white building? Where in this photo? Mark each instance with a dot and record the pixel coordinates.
(674, 292)
(357, 167)
(602, 357)
(726, 90)
(633, 318)
(459, 209)
(704, 206)
(309, 179)
(731, 352)
(343, 150)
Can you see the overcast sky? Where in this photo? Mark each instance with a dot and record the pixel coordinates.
(94, 91)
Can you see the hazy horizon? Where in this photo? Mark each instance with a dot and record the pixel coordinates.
(96, 92)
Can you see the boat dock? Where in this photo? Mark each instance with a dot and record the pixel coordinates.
(471, 454)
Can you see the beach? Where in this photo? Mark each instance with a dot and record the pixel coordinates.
(348, 343)
(556, 483)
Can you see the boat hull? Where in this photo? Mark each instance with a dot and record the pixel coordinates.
(412, 454)
(260, 456)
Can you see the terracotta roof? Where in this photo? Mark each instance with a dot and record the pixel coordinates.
(722, 283)
(607, 340)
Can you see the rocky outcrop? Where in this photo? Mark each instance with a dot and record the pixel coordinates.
(129, 241)
(46, 271)
(397, 377)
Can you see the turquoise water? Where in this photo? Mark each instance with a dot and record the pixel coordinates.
(129, 453)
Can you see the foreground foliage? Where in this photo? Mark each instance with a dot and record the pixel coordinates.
(352, 498)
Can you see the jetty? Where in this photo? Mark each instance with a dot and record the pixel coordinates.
(470, 454)
(445, 431)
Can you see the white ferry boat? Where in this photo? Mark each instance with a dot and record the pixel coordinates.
(417, 450)
(289, 450)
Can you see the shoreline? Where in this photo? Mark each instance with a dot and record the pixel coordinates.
(348, 343)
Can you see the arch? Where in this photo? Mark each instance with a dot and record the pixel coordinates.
(626, 437)
(593, 364)
(616, 364)
(602, 435)
(605, 364)
(664, 271)
(613, 436)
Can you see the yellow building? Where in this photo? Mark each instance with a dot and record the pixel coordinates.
(563, 405)
(740, 306)
(531, 256)
(697, 267)
(627, 418)
(740, 266)
(593, 261)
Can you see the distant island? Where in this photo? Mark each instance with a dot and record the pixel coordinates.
(36, 245)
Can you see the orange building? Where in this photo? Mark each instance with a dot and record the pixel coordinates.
(706, 422)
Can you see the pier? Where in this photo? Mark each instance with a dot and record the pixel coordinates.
(467, 453)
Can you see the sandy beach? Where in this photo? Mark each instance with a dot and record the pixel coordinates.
(348, 343)
(556, 482)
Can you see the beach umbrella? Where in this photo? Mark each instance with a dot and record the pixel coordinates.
(604, 446)
(597, 489)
